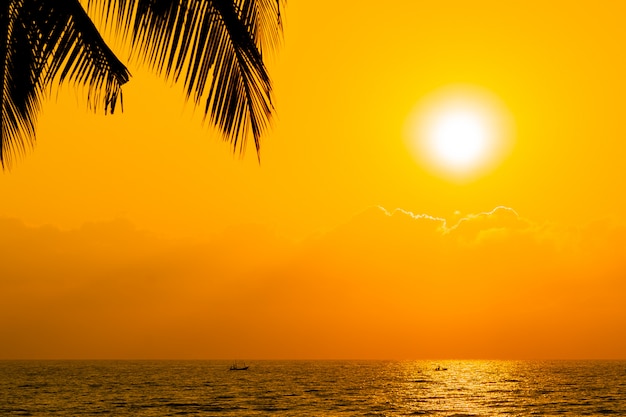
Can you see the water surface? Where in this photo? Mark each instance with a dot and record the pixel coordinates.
(315, 388)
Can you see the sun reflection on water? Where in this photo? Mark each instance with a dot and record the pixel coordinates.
(481, 388)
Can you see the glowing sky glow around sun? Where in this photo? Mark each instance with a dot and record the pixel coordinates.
(460, 133)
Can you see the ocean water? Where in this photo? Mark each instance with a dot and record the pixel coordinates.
(313, 388)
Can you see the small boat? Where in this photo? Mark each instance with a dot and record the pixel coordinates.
(439, 368)
(235, 367)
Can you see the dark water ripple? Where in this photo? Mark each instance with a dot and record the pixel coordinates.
(300, 388)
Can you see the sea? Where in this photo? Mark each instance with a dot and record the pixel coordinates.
(313, 388)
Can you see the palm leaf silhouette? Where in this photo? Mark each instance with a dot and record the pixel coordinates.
(214, 46)
(45, 42)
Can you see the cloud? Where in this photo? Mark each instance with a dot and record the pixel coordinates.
(386, 283)
(496, 277)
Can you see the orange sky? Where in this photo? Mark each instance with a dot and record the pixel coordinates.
(140, 235)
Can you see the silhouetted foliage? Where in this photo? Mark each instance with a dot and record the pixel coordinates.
(215, 47)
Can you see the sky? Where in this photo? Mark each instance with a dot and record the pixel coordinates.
(143, 236)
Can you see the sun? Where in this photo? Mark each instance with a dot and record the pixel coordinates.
(459, 137)
(460, 132)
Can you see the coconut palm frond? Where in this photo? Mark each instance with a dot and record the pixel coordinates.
(20, 90)
(80, 55)
(44, 41)
(265, 21)
(213, 46)
(117, 14)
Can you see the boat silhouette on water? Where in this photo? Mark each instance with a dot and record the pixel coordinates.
(236, 367)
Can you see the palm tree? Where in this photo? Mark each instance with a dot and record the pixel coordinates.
(214, 47)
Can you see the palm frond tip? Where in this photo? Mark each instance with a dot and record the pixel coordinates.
(44, 42)
(215, 47)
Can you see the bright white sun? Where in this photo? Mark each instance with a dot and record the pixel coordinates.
(459, 132)
(459, 137)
